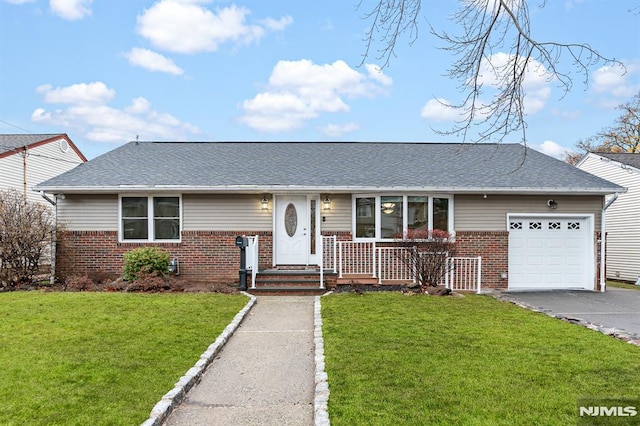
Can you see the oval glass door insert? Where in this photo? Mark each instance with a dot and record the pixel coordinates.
(290, 220)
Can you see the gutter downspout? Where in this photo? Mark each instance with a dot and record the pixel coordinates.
(54, 233)
(603, 234)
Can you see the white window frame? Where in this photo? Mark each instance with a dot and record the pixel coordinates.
(405, 206)
(150, 218)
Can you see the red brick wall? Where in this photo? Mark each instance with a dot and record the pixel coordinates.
(493, 246)
(210, 255)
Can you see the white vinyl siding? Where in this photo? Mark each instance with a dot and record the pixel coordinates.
(476, 213)
(338, 218)
(225, 213)
(622, 224)
(42, 163)
(88, 212)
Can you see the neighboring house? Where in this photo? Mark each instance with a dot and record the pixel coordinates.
(27, 160)
(622, 224)
(534, 220)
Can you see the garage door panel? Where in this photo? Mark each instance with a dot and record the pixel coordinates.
(573, 261)
(534, 261)
(574, 243)
(555, 243)
(549, 252)
(535, 243)
(555, 261)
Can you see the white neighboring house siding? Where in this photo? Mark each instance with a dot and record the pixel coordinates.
(622, 224)
(475, 213)
(43, 162)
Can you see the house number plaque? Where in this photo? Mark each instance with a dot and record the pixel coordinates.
(290, 220)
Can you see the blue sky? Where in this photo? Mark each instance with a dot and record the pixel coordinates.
(106, 72)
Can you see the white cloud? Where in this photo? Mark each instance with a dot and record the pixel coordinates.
(337, 130)
(440, 109)
(536, 87)
(299, 91)
(535, 84)
(152, 61)
(376, 73)
(187, 27)
(92, 93)
(615, 85)
(71, 10)
(86, 110)
(277, 24)
(552, 149)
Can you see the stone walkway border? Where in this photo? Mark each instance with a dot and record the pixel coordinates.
(174, 397)
(630, 338)
(321, 396)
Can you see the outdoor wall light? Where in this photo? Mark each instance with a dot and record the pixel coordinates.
(265, 203)
(326, 203)
(552, 204)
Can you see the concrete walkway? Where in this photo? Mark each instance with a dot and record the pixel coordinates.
(264, 374)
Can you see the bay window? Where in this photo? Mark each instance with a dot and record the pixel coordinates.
(387, 217)
(147, 218)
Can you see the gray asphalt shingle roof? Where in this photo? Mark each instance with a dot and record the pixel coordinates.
(629, 159)
(10, 142)
(327, 166)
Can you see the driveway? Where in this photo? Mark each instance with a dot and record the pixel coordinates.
(616, 308)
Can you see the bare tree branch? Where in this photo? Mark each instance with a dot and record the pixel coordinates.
(496, 56)
(622, 136)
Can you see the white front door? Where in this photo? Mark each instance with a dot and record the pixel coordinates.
(292, 230)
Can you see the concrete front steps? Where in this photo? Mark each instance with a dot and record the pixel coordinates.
(292, 282)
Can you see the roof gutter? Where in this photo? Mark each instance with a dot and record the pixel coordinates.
(43, 195)
(331, 189)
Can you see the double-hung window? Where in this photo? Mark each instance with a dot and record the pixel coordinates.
(148, 218)
(387, 217)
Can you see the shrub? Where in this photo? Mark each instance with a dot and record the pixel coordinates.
(25, 236)
(78, 283)
(145, 261)
(428, 255)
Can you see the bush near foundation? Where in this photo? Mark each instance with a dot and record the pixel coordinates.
(25, 235)
(145, 261)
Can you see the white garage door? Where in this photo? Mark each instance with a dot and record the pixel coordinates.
(549, 252)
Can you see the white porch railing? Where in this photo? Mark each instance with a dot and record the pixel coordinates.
(387, 264)
(384, 263)
(252, 258)
(329, 252)
(356, 258)
(464, 273)
(392, 264)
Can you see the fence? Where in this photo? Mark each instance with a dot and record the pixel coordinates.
(390, 264)
(464, 273)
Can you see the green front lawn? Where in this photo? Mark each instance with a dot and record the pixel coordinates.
(394, 359)
(100, 358)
